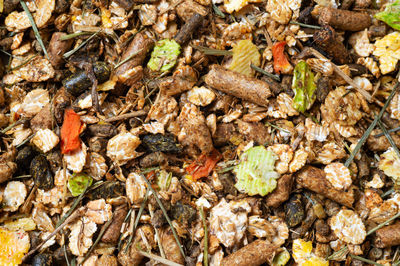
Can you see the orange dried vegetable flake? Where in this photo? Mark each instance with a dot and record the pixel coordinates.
(70, 131)
(281, 64)
(203, 166)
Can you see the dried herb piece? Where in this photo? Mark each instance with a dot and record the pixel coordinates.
(164, 55)
(255, 173)
(78, 183)
(304, 87)
(163, 143)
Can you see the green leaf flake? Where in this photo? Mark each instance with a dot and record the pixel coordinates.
(164, 55)
(164, 180)
(77, 183)
(255, 173)
(304, 87)
(391, 15)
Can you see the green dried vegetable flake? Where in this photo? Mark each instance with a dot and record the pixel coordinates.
(164, 55)
(304, 87)
(164, 180)
(282, 258)
(77, 183)
(391, 15)
(255, 173)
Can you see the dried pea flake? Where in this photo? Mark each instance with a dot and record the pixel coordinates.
(77, 183)
(255, 173)
(164, 55)
(391, 15)
(245, 53)
(303, 86)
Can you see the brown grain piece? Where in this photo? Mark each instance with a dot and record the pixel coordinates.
(255, 253)
(323, 88)
(381, 143)
(341, 19)
(188, 8)
(112, 233)
(182, 80)
(255, 131)
(305, 225)
(140, 45)
(224, 133)
(7, 169)
(325, 38)
(388, 236)
(61, 100)
(107, 260)
(153, 159)
(362, 4)
(188, 28)
(314, 179)
(103, 130)
(281, 192)
(171, 248)
(42, 120)
(357, 70)
(238, 85)
(346, 4)
(57, 48)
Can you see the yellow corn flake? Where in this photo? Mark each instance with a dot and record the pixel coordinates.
(390, 164)
(26, 224)
(244, 54)
(14, 245)
(387, 50)
(236, 5)
(303, 256)
(105, 18)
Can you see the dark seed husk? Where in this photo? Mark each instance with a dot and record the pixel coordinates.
(24, 157)
(41, 173)
(183, 212)
(161, 143)
(78, 82)
(42, 260)
(294, 211)
(107, 190)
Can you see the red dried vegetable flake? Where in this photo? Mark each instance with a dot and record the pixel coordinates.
(70, 131)
(203, 166)
(281, 64)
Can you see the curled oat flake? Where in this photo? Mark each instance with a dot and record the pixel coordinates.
(338, 175)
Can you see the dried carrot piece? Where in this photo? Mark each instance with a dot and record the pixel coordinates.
(70, 131)
(281, 64)
(204, 165)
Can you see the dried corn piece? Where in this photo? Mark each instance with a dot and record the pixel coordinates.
(255, 173)
(348, 227)
(303, 86)
(387, 50)
(245, 53)
(390, 164)
(338, 175)
(164, 55)
(26, 224)
(77, 183)
(14, 245)
(391, 14)
(45, 140)
(302, 254)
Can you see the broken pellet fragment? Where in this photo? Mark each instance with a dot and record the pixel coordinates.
(255, 253)
(188, 28)
(238, 85)
(325, 38)
(314, 179)
(388, 236)
(341, 19)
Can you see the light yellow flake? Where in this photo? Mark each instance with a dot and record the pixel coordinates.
(14, 245)
(338, 175)
(387, 50)
(390, 164)
(245, 53)
(26, 224)
(302, 254)
(236, 5)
